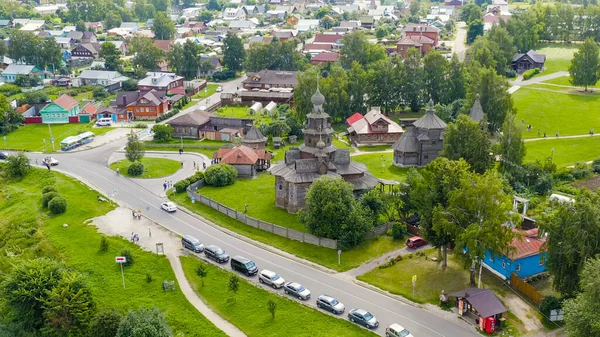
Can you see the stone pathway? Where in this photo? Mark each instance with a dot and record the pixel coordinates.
(519, 82)
(119, 222)
(560, 137)
(370, 265)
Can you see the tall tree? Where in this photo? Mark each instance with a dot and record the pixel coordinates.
(335, 89)
(512, 149)
(307, 85)
(111, 55)
(87, 10)
(573, 234)
(495, 100)
(192, 59)
(467, 139)
(430, 188)
(524, 28)
(175, 58)
(470, 13)
(163, 27)
(23, 46)
(581, 313)
(456, 81)
(147, 55)
(435, 69)
(143, 10)
(274, 56)
(357, 85)
(484, 53)
(233, 52)
(506, 47)
(134, 150)
(585, 65)
(357, 48)
(161, 5)
(112, 20)
(474, 30)
(383, 82)
(476, 216)
(412, 79)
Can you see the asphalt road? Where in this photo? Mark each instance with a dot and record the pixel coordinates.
(90, 166)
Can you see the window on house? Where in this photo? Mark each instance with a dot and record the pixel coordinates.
(518, 268)
(137, 109)
(503, 264)
(280, 187)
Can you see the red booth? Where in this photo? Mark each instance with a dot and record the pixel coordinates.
(481, 305)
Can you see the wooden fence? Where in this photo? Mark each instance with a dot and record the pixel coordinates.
(526, 289)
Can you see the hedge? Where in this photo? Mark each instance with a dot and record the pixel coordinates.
(530, 73)
(167, 115)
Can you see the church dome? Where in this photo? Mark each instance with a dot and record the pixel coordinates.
(317, 98)
(320, 145)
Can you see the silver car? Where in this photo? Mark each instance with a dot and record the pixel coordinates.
(270, 278)
(296, 290)
(330, 304)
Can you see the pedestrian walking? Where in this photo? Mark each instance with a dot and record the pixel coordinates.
(133, 213)
(180, 150)
(544, 135)
(204, 165)
(194, 164)
(139, 214)
(36, 161)
(165, 186)
(137, 239)
(556, 134)
(181, 164)
(132, 237)
(48, 166)
(149, 233)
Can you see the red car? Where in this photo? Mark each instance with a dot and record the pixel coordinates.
(415, 241)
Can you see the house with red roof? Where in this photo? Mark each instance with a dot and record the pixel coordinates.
(374, 128)
(526, 256)
(247, 161)
(324, 58)
(423, 43)
(63, 110)
(334, 40)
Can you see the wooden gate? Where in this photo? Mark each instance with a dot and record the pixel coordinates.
(525, 288)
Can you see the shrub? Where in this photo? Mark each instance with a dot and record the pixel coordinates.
(141, 126)
(128, 257)
(180, 186)
(99, 92)
(530, 73)
(58, 205)
(163, 133)
(167, 115)
(104, 243)
(398, 230)
(135, 169)
(596, 166)
(149, 277)
(581, 171)
(18, 166)
(48, 188)
(220, 175)
(511, 74)
(548, 304)
(47, 197)
(223, 75)
(196, 177)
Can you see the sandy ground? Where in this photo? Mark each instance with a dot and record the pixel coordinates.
(120, 222)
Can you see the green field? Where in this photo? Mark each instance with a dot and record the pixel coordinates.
(259, 194)
(153, 167)
(247, 309)
(210, 89)
(41, 234)
(567, 151)
(240, 112)
(31, 137)
(558, 57)
(564, 81)
(569, 114)
(380, 165)
(353, 258)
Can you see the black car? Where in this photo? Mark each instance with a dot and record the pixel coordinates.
(244, 265)
(363, 317)
(3, 155)
(330, 304)
(216, 253)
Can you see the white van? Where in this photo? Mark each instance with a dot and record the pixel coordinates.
(104, 122)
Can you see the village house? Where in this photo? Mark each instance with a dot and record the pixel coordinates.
(111, 80)
(334, 40)
(203, 124)
(529, 60)
(417, 30)
(214, 61)
(169, 82)
(235, 14)
(86, 51)
(324, 58)
(147, 105)
(13, 70)
(61, 111)
(269, 79)
(247, 161)
(423, 43)
(373, 128)
(164, 45)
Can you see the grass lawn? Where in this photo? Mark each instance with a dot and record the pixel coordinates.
(40, 234)
(380, 165)
(564, 81)
(31, 137)
(279, 154)
(353, 258)
(240, 112)
(567, 151)
(248, 308)
(153, 167)
(374, 148)
(259, 194)
(210, 89)
(558, 56)
(341, 145)
(207, 152)
(552, 111)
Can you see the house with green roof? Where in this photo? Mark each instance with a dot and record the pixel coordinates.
(60, 110)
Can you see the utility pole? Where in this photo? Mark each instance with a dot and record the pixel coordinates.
(51, 138)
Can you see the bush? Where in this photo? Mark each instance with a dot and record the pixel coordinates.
(149, 277)
(167, 115)
(547, 304)
(99, 92)
(128, 257)
(47, 197)
(223, 75)
(58, 205)
(530, 73)
(180, 186)
(141, 126)
(163, 133)
(596, 166)
(511, 73)
(581, 171)
(196, 177)
(220, 175)
(47, 189)
(398, 230)
(104, 243)
(135, 169)
(18, 166)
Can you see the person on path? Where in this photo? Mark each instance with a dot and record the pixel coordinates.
(137, 239)
(133, 213)
(48, 166)
(204, 165)
(194, 164)
(544, 135)
(165, 186)
(36, 161)
(556, 134)
(180, 150)
(139, 214)
(181, 164)
(149, 233)
(132, 237)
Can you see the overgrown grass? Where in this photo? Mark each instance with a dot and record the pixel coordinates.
(31, 137)
(353, 258)
(380, 165)
(552, 111)
(567, 151)
(247, 309)
(153, 167)
(28, 231)
(210, 90)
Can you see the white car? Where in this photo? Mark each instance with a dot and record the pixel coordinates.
(50, 160)
(168, 206)
(219, 89)
(296, 290)
(270, 278)
(397, 330)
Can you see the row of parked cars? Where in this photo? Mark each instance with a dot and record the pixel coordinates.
(274, 280)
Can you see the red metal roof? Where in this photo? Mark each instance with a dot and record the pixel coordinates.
(526, 244)
(177, 91)
(354, 118)
(327, 38)
(66, 102)
(326, 57)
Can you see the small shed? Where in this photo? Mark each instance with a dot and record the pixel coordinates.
(561, 198)
(256, 107)
(481, 305)
(270, 107)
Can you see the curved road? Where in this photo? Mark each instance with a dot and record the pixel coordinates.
(90, 166)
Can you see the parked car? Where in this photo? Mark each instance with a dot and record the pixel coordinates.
(363, 317)
(104, 122)
(415, 242)
(168, 206)
(330, 304)
(4, 155)
(297, 290)
(192, 244)
(216, 253)
(50, 160)
(397, 330)
(270, 278)
(244, 265)
(219, 89)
